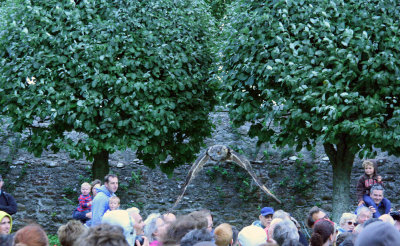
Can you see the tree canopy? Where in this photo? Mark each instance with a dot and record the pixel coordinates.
(126, 74)
(316, 71)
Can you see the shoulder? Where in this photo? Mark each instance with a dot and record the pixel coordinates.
(100, 197)
(8, 195)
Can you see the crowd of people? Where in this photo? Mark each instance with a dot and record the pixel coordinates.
(99, 221)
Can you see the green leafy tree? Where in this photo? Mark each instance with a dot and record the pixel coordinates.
(218, 7)
(122, 74)
(308, 71)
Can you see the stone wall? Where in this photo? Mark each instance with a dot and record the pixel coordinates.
(47, 188)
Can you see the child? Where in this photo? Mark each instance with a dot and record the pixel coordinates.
(113, 203)
(85, 204)
(366, 181)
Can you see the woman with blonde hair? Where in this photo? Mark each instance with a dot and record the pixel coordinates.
(347, 222)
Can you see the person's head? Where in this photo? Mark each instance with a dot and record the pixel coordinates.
(291, 242)
(387, 218)
(114, 203)
(111, 182)
(169, 217)
(315, 214)
(377, 193)
(342, 236)
(370, 221)
(348, 221)
(322, 232)
(122, 219)
(285, 230)
(272, 226)
(85, 188)
(154, 224)
(378, 233)
(137, 219)
(281, 214)
(265, 216)
(5, 223)
(363, 214)
(346, 239)
(103, 235)
(69, 233)
(223, 235)
(196, 236)
(31, 235)
(252, 236)
(182, 225)
(95, 185)
(369, 167)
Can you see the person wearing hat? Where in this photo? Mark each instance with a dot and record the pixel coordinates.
(7, 201)
(5, 223)
(265, 217)
(6, 238)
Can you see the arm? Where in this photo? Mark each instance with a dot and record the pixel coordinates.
(11, 207)
(360, 190)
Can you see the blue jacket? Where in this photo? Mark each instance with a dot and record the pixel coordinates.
(100, 205)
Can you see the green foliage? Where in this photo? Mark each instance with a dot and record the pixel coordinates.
(136, 177)
(305, 179)
(287, 152)
(308, 71)
(69, 201)
(321, 70)
(126, 74)
(242, 180)
(69, 191)
(218, 7)
(53, 240)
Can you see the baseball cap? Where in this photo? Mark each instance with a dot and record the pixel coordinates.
(266, 211)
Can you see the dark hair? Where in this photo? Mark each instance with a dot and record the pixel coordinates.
(95, 182)
(342, 236)
(321, 232)
(108, 176)
(31, 235)
(348, 241)
(313, 210)
(196, 236)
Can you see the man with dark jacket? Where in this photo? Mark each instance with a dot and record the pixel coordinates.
(7, 201)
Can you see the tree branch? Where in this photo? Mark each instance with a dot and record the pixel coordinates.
(331, 152)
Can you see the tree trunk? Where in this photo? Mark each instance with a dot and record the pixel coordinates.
(100, 166)
(341, 159)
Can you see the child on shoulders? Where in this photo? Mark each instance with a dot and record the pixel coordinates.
(113, 203)
(366, 181)
(85, 204)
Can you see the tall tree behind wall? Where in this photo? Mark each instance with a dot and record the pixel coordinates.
(125, 74)
(316, 71)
